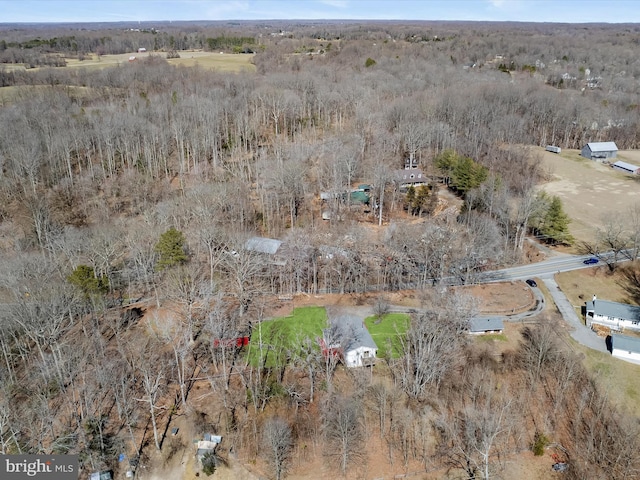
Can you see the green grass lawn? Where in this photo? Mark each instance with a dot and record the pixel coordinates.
(620, 379)
(283, 336)
(500, 337)
(386, 333)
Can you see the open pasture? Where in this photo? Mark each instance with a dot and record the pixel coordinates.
(224, 62)
(590, 191)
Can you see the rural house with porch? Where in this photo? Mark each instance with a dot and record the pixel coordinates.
(616, 316)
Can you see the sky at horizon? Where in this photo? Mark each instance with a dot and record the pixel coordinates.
(562, 11)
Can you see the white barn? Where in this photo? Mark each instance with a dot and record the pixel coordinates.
(625, 348)
(616, 316)
(599, 151)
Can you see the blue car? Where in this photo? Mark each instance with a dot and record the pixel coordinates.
(590, 261)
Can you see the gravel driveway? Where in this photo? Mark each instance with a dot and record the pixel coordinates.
(581, 333)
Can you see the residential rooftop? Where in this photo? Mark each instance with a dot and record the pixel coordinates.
(606, 308)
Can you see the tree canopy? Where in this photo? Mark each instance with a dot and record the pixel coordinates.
(85, 279)
(461, 173)
(551, 221)
(171, 249)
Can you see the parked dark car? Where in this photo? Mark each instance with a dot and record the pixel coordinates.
(531, 283)
(591, 261)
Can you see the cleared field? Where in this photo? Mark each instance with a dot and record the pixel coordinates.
(589, 190)
(208, 60)
(283, 337)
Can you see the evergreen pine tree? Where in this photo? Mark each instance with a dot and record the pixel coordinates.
(556, 223)
(170, 247)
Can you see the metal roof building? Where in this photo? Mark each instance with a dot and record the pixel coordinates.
(625, 348)
(626, 167)
(263, 245)
(599, 150)
(478, 326)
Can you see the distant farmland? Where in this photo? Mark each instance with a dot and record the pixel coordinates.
(226, 62)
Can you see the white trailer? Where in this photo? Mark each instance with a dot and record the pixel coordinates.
(553, 148)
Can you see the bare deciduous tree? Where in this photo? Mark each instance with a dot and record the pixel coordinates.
(343, 430)
(277, 437)
(433, 342)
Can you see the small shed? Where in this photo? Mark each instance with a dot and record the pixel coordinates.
(625, 348)
(626, 167)
(485, 326)
(599, 151)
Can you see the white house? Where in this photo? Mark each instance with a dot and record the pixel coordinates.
(484, 326)
(361, 350)
(349, 335)
(626, 348)
(599, 150)
(614, 315)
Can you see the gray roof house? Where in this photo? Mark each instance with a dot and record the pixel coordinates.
(356, 343)
(625, 348)
(269, 246)
(413, 177)
(483, 325)
(614, 315)
(599, 150)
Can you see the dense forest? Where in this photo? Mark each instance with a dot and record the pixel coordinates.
(138, 186)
